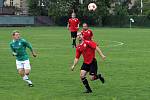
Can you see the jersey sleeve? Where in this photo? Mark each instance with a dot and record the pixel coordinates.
(82, 32)
(69, 20)
(91, 44)
(78, 53)
(78, 21)
(12, 49)
(27, 44)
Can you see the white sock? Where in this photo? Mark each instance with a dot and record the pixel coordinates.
(25, 78)
(29, 81)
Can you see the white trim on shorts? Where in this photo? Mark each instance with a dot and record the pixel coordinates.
(23, 64)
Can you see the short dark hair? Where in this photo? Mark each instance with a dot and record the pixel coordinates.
(14, 32)
(85, 23)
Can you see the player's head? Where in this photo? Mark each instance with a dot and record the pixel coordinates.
(85, 26)
(73, 15)
(79, 36)
(16, 35)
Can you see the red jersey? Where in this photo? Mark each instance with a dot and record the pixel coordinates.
(73, 24)
(87, 49)
(87, 34)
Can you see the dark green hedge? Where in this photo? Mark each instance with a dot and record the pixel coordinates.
(123, 21)
(62, 21)
(109, 21)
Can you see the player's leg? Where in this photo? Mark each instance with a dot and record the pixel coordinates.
(26, 77)
(83, 73)
(93, 72)
(21, 72)
(74, 42)
(20, 68)
(73, 36)
(72, 39)
(27, 69)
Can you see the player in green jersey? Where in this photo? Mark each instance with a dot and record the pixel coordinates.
(18, 46)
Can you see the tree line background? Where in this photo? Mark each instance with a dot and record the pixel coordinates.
(60, 10)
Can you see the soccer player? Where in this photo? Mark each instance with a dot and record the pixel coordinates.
(18, 46)
(73, 26)
(87, 49)
(86, 32)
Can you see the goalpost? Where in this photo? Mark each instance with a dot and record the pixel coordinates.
(141, 7)
(81, 1)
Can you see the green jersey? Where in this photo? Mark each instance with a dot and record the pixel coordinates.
(19, 48)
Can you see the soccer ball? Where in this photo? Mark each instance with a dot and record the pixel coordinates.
(92, 7)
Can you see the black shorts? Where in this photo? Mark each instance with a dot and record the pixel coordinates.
(91, 68)
(73, 34)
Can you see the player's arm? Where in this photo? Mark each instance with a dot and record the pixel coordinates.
(100, 52)
(68, 25)
(30, 47)
(78, 24)
(13, 51)
(78, 54)
(74, 64)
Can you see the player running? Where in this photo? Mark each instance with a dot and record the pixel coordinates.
(87, 49)
(18, 47)
(73, 26)
(86, 32)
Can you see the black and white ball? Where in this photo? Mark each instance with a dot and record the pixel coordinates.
(92, 7)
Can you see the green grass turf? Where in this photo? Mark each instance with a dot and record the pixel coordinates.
(126, 69)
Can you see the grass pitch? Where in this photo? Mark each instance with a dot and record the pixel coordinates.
(126, 69)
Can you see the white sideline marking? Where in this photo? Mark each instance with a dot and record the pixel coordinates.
(59, 47)
(118, 43)
(115, 45)
(133, 51)
(34, 48)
